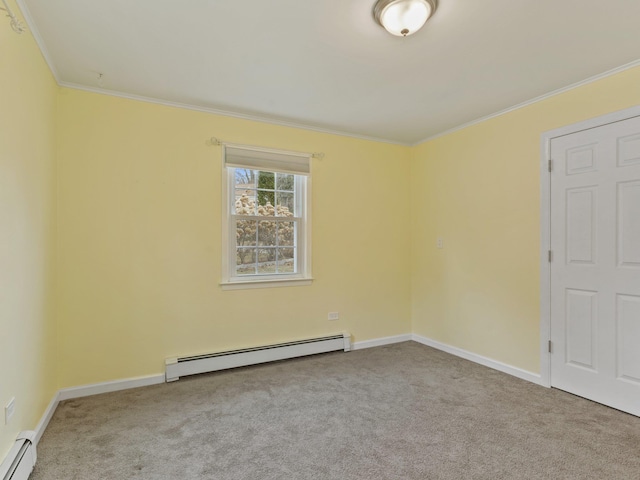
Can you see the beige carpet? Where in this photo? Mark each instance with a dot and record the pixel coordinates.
(403, 411)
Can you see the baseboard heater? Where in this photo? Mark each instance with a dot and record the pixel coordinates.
(183, 366)
(21, 458)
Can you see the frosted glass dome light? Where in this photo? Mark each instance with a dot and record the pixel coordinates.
(403, 17)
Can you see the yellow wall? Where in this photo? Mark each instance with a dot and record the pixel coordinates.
(140, 239)
(27, 215)
(119, 202)
(479, 189)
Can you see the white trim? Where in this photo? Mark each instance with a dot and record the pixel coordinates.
(545, 223)
(46, 417)
(487, 362)
(126, 384)
(26, 13)
(226, 241)
(379, 342)
(303, 257)
(617, 116)
(545, 265)
(112, 386)
(270, 283)
(540, 98)
(283, 123)
(243, 116)
(306, 265)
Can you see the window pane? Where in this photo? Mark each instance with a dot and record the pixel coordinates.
(266, 195)
(266, 180)
(286, 233)
(285, 204)
(286, 263)
(246, 233)
(245, 202)
(266, 261)
(284, 181)
(266, 202)
(245, 261)
(267, 233)
(245, 178)
(267, 243)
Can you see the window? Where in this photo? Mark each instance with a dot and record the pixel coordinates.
(266, 217)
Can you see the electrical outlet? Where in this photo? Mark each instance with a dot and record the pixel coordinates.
(333, 316)
(439, 243)
(9, 410)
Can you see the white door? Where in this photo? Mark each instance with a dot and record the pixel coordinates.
(595, 266)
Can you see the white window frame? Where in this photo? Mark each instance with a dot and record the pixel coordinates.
(271, 161)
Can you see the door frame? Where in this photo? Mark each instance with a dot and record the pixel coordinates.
(545, 224)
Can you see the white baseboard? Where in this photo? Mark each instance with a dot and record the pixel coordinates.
(46, 417)
(487, 362)
(125, 384)
(87, 390)
(106, 387)
(378, 342)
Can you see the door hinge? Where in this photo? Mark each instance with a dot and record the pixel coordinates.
(549, 346)
(550, 165)
(550, 256)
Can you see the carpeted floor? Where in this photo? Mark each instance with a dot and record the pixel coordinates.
(403, 411)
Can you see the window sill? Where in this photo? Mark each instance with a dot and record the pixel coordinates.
(248, 284)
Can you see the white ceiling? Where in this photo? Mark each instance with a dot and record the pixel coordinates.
(326, 64)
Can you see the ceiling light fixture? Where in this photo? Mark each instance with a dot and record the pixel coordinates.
(403, 17)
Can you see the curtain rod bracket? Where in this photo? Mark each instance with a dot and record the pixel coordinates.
(16, 24)
(319, 155)
(214, 141)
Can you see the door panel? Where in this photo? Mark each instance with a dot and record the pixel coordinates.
(595, 272)
(581, 332)
(629, 224)
(629, 150)
(581, 225)
(628, 325)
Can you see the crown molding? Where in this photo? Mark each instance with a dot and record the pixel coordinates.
(304, 126)
(540, 98)
(228, 113)
(28, 18)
